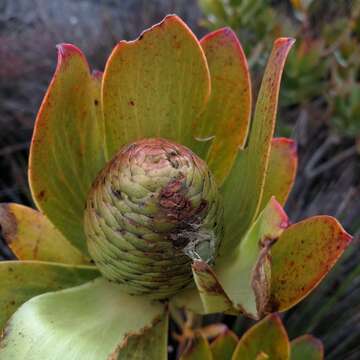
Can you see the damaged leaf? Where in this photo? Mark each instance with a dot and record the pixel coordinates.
(31, 236)
(212, 295)
(246, 274)
(149, 343)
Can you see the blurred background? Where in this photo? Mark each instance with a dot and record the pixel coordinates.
(319, 108)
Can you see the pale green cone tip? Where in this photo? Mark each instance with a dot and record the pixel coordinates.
(151, 211)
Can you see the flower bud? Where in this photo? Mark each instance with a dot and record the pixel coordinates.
(151, 211)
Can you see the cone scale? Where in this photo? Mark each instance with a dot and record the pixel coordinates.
(152, 210)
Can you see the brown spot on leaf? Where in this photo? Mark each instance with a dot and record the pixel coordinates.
(8, 223)
(41, 195)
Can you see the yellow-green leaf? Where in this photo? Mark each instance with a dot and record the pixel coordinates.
(155, 86)
(189, 299)
(243, 188)
(281, 171)
(307, 347)
(22, 280)
(212, 294)
(31, 236)
(265, 340)
(303, 255)
(246, 273)
(224, 345)
(198, 349)
(149, 343)
(66, 151)
(89, 322)
(228, 112)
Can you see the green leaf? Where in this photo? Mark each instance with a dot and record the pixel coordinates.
(150, 343)
(246, 274)
(22, 280)
(66, 149)
(189, 299)
(228, 112)
(243, 188)
(91, 322)
(198, 349)
(224, 345)
(265, 340)
(31, 236)
(212, 294)
(155, 86)
(240, 282)
(307, 347)
(302, 256)
(281, 171)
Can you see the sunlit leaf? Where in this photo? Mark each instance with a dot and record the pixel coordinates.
(155, 86)
(31, 236)
(281, 171)
(227, 114)
(246, 274)
(20, 281)
(243, 188)
(66, 151)
(93, 321)
(302, 256)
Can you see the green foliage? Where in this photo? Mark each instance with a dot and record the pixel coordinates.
(267, 339)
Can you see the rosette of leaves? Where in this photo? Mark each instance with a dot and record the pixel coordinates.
(197, 96)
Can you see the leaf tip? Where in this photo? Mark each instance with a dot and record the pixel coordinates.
(65, 51)
(288, 143)
(225, 32)
(344, 238)
(284, 221)
(288, 42)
